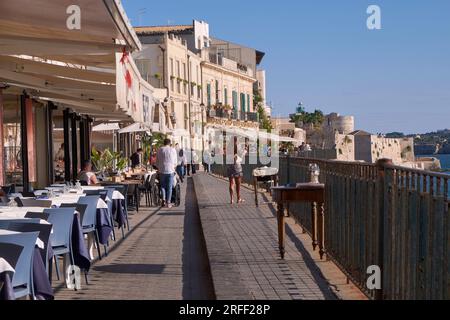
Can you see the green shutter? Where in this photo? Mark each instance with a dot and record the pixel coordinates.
(208, 94)
(235, 102)
(243, 109)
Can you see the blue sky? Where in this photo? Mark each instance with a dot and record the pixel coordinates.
(320, 52)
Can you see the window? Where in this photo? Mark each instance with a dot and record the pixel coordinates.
(184, 79)
(208, 94)
(225, 96)
(178, 77)
(217, 91)
(235, 100)
(144, 68)
(243, 109)
(172, 76)
(248, 103)
(186, 117)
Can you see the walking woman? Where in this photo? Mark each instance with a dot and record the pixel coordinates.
(235, 174)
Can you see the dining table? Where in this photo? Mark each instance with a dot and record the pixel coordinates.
(127, 182)
(104, 225)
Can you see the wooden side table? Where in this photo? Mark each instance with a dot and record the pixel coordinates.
(264, 174)
(302, 192)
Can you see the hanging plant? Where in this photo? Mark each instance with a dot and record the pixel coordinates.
(193, 84)
(179, 79)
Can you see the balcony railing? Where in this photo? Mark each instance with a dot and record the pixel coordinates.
(233, 115)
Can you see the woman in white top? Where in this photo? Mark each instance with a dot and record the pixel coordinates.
(181, 164)
(86, 174)
(235, 174)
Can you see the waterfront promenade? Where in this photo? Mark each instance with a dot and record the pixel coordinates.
(164, 256)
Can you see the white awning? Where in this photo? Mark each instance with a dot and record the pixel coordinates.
(180, 133)
(82, 69)
(271, 136)
(106, 127)
(135, 128)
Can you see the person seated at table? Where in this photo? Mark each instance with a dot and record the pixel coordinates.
(86, 174)
(136, 158)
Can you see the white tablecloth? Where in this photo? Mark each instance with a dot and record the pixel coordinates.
(149, 174)
(116, 194)
(73, 198)
(39, 242)
(5, 266)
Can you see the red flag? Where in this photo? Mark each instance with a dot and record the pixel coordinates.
(128, 79)
(124, 56)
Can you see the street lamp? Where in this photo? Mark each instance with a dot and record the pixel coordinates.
(202, 107)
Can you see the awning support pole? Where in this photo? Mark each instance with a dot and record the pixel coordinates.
(24, 139)
(74, 147)
(66, 117)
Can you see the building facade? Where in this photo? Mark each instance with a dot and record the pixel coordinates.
(210, 82)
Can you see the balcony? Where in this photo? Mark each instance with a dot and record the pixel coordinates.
(226, 114)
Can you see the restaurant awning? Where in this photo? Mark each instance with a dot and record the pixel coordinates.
(136, 128)
(274, 137)
(85, 69)
(106, 127)
(180, 133)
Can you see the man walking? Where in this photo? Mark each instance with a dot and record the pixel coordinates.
(166, 162)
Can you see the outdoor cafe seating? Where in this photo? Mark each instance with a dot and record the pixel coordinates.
(55, 223)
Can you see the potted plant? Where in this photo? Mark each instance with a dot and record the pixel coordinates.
(179, 79)
(157, 76)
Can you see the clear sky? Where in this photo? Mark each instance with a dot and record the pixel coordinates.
(320, 52)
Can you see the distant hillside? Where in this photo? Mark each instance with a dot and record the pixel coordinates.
(428, 143)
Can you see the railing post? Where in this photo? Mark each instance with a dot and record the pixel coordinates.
(381, 165)
(288, 169)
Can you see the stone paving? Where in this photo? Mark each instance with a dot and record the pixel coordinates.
(160, 259)
(209, 249)
(242, 239)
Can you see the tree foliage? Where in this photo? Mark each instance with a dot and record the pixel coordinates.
(302, 116)
(264, 121)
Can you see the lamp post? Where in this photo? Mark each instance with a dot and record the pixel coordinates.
(202, 106)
